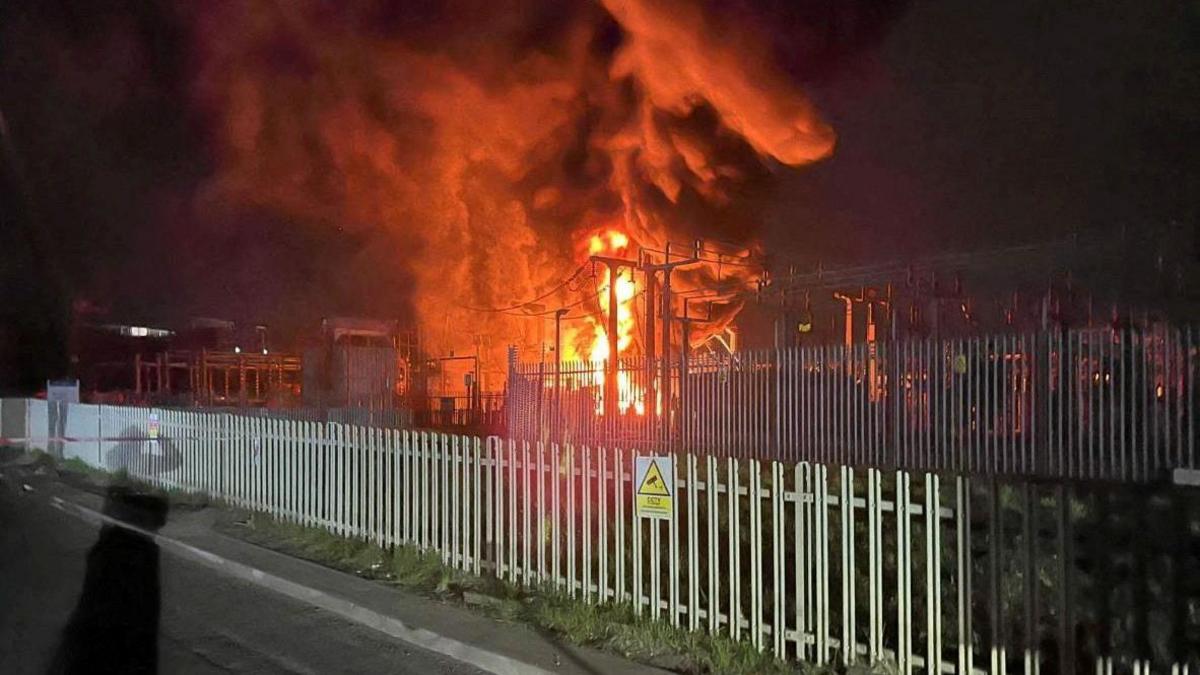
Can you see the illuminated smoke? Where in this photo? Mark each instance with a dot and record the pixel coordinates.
(681, 61)
(485, 147)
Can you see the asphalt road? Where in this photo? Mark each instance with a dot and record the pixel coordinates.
(73, 594)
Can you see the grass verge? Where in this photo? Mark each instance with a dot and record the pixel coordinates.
(610, 627)
(81, 475)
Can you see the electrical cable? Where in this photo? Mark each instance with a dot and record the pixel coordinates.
(573, 305)
(543, 296)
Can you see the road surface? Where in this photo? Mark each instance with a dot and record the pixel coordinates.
(206, 622)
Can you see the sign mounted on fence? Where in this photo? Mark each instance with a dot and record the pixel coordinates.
(654, 478)
(152, 430)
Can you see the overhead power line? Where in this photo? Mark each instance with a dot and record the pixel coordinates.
(573, 305)
(543, 296)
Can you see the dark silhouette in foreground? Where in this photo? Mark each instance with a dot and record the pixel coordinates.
(114, 628)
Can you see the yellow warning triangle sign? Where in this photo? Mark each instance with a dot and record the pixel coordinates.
(653, 483)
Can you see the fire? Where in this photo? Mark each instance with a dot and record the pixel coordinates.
(719, 281)
(459, 160)
(616, 244)
(612, 243)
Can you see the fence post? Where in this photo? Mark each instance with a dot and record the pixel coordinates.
(995, 530)
(526, 493)
(492, 538)
(476, 507)
(734, 538)
(802, 570)
(693, 535)
(714, 556)
(903, 575)
(540, 527)
(673, 546)
(569, 452)
(821, 585)
(846, 521)
(754, 492)
(875, 555)
(510, 394)
(603, 492)
(933, 573)
(619, 520)
(962, 514)
(778, 544)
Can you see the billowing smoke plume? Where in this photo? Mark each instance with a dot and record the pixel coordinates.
(483, 146)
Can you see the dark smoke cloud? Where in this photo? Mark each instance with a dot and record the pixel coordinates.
(483, 159)
(284, 160)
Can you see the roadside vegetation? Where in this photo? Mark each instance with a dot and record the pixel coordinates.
(81, 475)
(610, 627)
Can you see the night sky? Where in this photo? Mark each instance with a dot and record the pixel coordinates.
(979, 124)
(961, 125)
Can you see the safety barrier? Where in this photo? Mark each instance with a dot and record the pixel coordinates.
(816, 562)
(1097, 403)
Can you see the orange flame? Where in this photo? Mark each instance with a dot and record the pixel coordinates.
(593, 343)
(613, 243)
(460, 161)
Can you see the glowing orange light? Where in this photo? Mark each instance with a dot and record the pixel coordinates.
(630, 397)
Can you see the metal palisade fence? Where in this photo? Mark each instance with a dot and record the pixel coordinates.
(392, 418)
(817, 562)
(1114, 404)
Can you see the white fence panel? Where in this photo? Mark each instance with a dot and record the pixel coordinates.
(81, 432)
(37, 425)
(826, 564)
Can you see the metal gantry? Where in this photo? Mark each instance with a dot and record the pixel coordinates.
(1113, 404)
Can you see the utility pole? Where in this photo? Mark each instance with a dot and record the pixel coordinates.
(610, 379)
(667, 268)
(477, 389)
(558, 315)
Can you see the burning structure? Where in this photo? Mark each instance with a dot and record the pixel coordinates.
(495, 155)
(496, 167)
